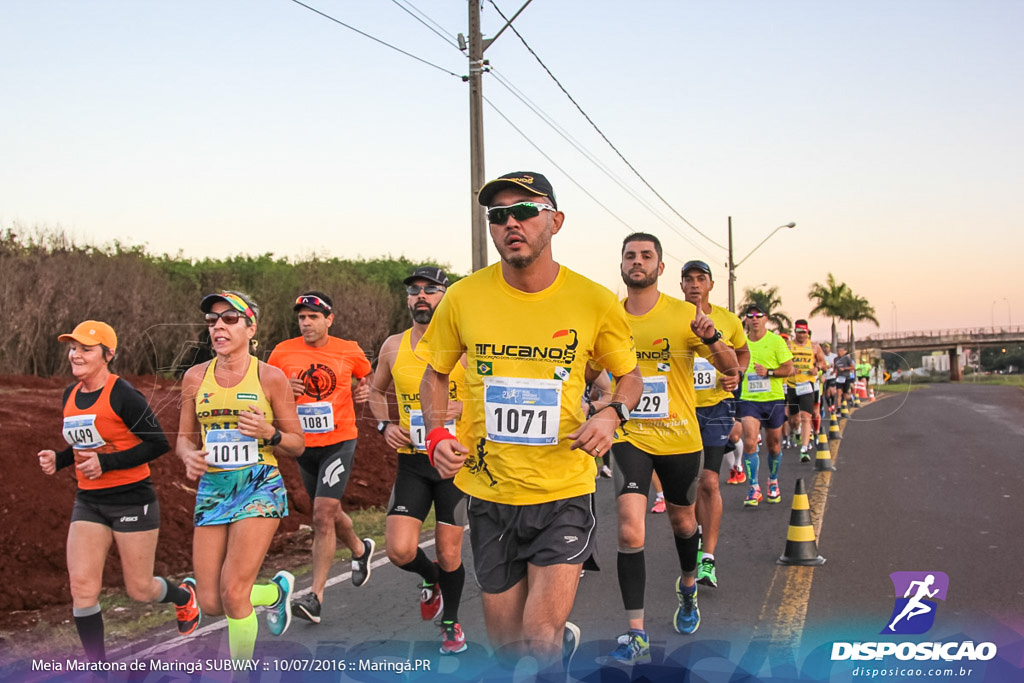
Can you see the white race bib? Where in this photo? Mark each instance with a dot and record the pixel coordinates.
(841, 379)
(804, 388)
(80, 432)
(757, 384)
(704, 374)
(316, 418)
(418, 430)
(653, 403)
(522, 411)
(229, 448)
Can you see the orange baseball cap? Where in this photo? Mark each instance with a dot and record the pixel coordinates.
(91, 333)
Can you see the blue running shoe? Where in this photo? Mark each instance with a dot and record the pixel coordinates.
(634, 648)
(687, 616)
(280, 616)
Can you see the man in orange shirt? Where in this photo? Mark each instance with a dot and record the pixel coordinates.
(323, 370)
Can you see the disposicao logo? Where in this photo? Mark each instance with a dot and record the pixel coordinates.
(914, 612)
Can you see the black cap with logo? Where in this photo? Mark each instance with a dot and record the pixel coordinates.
(429, 273)
(525, 180)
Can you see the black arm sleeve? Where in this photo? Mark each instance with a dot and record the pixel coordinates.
(66, 456)
(132, 408)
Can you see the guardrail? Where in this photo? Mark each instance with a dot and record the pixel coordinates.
(958, 334)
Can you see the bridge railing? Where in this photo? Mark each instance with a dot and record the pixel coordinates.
(959, 333)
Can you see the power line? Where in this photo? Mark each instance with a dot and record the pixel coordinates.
(578, 146)
(601, 133)
(377, 40)
(447, 39)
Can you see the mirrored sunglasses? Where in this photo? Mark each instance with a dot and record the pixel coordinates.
(413, 290)
(521, 211)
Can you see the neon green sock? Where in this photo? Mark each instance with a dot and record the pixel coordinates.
(242, 636)
(264, 594)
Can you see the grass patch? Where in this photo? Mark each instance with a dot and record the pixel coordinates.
(996, 380)
(899, 388)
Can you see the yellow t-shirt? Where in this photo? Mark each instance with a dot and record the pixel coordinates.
(217, 409)
(527, 354)
(705, 377)
(664, 421)
(803, 363)
(406, 373)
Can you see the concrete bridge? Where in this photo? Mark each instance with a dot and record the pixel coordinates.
(951, 340)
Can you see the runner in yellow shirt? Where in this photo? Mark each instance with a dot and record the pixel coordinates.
(525, 452)
(662, 435)
(801, 394)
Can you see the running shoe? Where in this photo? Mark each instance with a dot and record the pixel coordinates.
(307, 607)
(706, 573)
(773, 492)
(805, 454)
(570, 643)
(189, 615)
(634, 648)
(361, 567)
(753, 496)
(430, 601)
(732, 476)
(741, 475)
(659, 506)
(687, 616)
(605, 472)
(453, 640)
(280, 616)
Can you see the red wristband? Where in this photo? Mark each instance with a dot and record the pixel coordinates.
(436, 436)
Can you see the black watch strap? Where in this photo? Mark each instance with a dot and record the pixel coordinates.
(276, 438)
(382, 426)
(713, 338)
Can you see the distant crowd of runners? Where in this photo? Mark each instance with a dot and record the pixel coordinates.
(512, 386)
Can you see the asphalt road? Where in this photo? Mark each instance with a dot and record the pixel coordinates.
(926, 481)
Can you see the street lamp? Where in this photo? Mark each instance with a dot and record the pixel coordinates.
(733, 265)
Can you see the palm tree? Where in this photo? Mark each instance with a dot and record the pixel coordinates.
(768, 301)
(829, 298)
(856, 309)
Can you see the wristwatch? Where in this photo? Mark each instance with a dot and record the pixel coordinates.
(620, 410)
(276, 438)
(713, 338)
(382, 425)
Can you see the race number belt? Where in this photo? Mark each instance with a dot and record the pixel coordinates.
(522, 411)
(229, 448)
(316, 418)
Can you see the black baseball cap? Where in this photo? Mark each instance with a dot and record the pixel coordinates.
(314, 301)
(429, 273)
(525, 180)
(754, 307)
(697, 265)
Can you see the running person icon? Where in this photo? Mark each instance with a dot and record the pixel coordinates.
(915, 606)
(237, 415)
(112, 435)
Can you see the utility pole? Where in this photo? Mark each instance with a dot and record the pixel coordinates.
(476, 136)
(732, 273)
(476, 46)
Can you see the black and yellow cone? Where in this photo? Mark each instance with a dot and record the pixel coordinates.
(833, 428)
(801, 546)
(823, 456)
(844, 412)
(856, 400)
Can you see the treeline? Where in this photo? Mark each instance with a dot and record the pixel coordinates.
(49, 284)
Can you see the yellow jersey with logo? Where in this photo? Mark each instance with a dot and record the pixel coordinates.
(803, 363)
(217, 410)
(664, 421)
(406, 373)
(705, 377)
(527, 355)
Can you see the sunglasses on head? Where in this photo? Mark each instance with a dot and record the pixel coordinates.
(521, 211)
(313, 301)
(230, 317)
(413, 290)
(754, 314)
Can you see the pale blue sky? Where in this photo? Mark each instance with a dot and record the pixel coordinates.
(889, 131)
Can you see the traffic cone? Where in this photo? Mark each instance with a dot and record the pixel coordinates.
(833, 428)
(844, 412)
(856, 401)
(823, 456)
(801, 546)
(871, 395)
